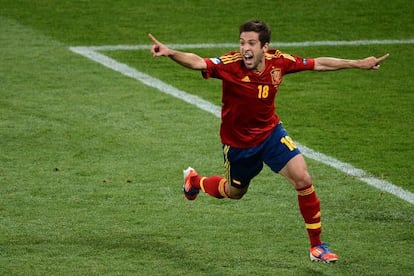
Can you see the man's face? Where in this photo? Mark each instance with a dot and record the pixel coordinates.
(251, 51)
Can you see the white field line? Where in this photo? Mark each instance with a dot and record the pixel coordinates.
(92, 54)
(277, 44)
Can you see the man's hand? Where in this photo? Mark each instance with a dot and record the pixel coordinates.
(158, 49)
(188, 60)
(372, 62)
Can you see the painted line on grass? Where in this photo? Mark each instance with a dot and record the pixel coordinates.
(92, 54)
(146, 79)
(278, 44)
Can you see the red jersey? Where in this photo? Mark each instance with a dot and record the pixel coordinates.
(248, 99)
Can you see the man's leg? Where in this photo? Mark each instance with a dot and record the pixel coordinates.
(282, 155)
(215, 186)
(240, 166)
(309, 205)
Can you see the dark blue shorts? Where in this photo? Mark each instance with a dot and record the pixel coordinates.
(241, 165)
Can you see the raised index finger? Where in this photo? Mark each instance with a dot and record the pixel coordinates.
(384, 57)
(153, 38)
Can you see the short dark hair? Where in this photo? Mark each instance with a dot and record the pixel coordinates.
(258, 26)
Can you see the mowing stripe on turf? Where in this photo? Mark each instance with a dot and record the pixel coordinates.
(92, 54)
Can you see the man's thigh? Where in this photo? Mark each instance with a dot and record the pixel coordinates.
(279, 149)
(241, 165)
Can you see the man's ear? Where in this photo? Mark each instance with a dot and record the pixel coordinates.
(266, 47)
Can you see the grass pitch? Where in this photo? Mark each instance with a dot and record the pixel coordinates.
(90, 175)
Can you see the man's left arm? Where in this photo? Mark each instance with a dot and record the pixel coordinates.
(330, 64)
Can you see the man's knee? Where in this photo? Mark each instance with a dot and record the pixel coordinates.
(303, 180)
(236, 193)
(296, 172)
(236, 196)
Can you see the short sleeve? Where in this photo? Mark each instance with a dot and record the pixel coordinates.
(211, 71)
(295, 63)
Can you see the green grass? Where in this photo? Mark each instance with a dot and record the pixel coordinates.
(91, 160)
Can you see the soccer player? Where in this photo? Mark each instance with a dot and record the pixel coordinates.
(251, 132)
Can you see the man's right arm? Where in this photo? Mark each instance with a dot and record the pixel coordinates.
(188, 60)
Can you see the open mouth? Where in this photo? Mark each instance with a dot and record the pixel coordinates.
(248, 57)
(248, 60)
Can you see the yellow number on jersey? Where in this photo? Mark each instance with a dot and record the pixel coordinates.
(263, 91)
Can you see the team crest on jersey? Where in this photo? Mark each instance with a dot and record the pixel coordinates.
(276, 76)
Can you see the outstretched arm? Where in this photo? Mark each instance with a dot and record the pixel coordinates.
(329, 64)
(188, 60)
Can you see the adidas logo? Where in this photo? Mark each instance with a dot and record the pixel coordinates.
(246, 79)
